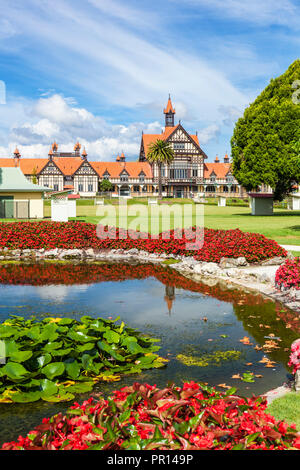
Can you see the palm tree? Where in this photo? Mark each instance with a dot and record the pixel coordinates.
(160, 153)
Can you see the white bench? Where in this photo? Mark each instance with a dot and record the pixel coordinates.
(152, 201)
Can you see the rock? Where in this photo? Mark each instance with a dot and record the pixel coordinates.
(278, 260)
(297, 381)
(89, 253)
(69, 254)
(207, 268)
(133, 251)
(51, 253)
(264, 277)
(233, 262)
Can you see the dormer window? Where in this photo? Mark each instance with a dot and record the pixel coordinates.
(213, 177)
(106, 176)
(124, 177)
(142, 177)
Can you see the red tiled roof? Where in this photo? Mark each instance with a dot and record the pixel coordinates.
(115, 168)
(220, 169)
(27, 165)
(68, 165)
(149, 139)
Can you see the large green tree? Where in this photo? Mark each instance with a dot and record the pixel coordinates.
(160, 153)
(265, 142)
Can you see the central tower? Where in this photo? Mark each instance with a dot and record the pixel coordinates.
(170, 112)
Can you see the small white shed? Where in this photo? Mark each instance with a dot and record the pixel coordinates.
(296, 201)
(261, 203)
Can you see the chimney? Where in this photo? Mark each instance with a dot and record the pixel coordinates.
(17, 157)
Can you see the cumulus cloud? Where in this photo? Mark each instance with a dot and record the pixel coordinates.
(56, 118)
(209, 133)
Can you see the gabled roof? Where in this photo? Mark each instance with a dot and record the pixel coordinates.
(13, 180)
(149, 139)
(219, 169)
(68, 165)
(116, 168)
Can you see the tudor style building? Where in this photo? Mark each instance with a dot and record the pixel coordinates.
(187, 175)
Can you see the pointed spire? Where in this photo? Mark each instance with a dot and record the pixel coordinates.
(217, 159)
(54, 147)
(169, 108)
(17, 153)
(84, 153)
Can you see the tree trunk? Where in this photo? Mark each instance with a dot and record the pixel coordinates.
(159, 182)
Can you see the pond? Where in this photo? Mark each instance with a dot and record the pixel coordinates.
(200, 325)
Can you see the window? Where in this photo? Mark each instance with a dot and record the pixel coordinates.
(136, 189)
(124, 178)
(178, 173)
(80, 187)
(179, 146)
(90, 188)
(195, 173)
(55, 187)
(142, 178)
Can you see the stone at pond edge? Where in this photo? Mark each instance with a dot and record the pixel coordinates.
(297, 381)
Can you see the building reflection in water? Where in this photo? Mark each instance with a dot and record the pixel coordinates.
(170, 297)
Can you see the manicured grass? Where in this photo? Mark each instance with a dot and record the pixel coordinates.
(283, 226)
(286, 408)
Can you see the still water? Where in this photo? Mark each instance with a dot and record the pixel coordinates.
(192, 320)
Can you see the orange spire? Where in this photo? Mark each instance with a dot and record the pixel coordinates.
(169, 108)
(54, 147)
(16, 152)
(84, 153)
(217, 159)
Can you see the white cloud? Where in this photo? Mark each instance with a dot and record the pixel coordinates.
(56, 118)
(264, 12)
(209, 133)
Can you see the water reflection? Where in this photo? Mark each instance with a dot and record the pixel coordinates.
(190, 318)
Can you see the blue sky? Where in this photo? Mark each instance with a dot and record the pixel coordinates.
(100, 71)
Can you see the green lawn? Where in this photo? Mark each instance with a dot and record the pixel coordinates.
(283, 226)
(287, 408)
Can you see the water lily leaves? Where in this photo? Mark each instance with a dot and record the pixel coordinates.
(80, 337)
(54, 369)
(48, 387)
(25, 397)
(112, 336)
(77, 354)
(41, 361)
(20, 356)
(15, 371)
(73, 369)
(61, 396)
(52, 345)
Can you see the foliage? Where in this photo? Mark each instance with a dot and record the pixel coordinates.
(143, 417)
(264, 141)
(288, 275)
(160, 153)
(58, 357)
(217, 243)
(216, 358)
(106, 185)
(295, 356)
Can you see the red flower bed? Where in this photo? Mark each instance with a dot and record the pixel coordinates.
(142, 417)
(288, 275)
(217, 243)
